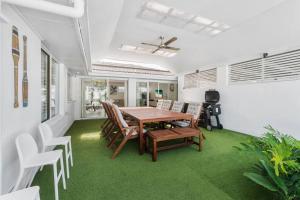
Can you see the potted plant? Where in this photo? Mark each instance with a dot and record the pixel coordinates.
(278, 167)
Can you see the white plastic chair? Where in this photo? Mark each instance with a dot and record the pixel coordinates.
(31, 193)
(30, 158)
(50, 141)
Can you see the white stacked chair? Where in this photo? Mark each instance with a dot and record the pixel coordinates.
(177, 106)
(166, 105)
(49, 141)
(30, 158)
(159, 104)
(31, 193)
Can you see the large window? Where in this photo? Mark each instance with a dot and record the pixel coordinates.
(49, 86)
(279, 67)
(95, 91)
(45, 86)
(54, 95)
(148, 93)
(201, 79)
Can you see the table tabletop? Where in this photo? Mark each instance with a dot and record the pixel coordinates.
(150, 114)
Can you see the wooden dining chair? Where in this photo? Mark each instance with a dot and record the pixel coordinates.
(193, 109)
(111, 128)
(107, 121)
(124, 130)
(177, 106)
(166, 104)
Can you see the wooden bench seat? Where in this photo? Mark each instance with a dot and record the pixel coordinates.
(173, 134)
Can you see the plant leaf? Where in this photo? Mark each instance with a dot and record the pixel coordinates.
(261, 180)
(277, 180)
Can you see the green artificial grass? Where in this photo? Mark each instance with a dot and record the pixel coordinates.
(216, 173)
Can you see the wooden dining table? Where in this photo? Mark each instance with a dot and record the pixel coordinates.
(149, 114)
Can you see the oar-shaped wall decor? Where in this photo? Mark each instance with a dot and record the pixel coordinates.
(25, 78)
(16, 57)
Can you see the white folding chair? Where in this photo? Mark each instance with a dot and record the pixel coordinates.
(159, 103)
(177, 106)
(166, 105)
(50, 141)
(30, 158)
(193, 109)
(31, 193)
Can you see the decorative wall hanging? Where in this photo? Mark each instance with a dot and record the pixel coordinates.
(25, 78)
(16, 57)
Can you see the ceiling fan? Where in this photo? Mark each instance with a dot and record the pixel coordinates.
(163, 45)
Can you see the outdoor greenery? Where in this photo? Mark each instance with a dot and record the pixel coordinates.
(278, 167)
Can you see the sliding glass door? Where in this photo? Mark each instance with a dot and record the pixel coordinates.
(148, 93)
(118, 92)
(95, 91)
(141, 94)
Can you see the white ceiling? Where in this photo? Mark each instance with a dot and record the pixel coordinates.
(58, 34)
(257, 26)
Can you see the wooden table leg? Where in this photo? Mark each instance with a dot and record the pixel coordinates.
(154, 150)
(142, 140)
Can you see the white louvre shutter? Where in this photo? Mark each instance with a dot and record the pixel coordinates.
(246, 71)
(282, 66)
(202, 79)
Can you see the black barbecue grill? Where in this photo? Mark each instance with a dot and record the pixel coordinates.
(209, 117)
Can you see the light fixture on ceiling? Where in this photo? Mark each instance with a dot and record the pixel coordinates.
(124, 63)
(170, 16)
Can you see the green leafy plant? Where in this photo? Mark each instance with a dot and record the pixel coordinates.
(278, 169)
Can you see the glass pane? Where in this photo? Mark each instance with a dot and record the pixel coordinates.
(169, 90)
(141, 94)
(54, 93)
(117, 92)
(154, 94)
(44, 86)
(93, 92)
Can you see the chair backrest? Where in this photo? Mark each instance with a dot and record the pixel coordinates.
(26, 147)
(106, 108)
(194, 109)
(121, 123)
(45, 132)
(177, 106)
(159, 104)
(166, 105)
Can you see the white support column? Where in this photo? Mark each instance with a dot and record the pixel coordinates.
(62, 88)
(131, 92)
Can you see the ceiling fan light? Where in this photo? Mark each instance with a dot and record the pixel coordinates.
(172, 55)
(216, 25)
(215, 31)
(128, 47)
(203, 20)
(225, 26)
(157, 7)
(208, 29)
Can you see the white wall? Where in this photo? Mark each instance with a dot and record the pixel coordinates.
(247, 108)
(14, 121)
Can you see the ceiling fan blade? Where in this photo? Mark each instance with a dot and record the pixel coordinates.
(173, 39)
(155, 50)
(154, 45)
(172, 48)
